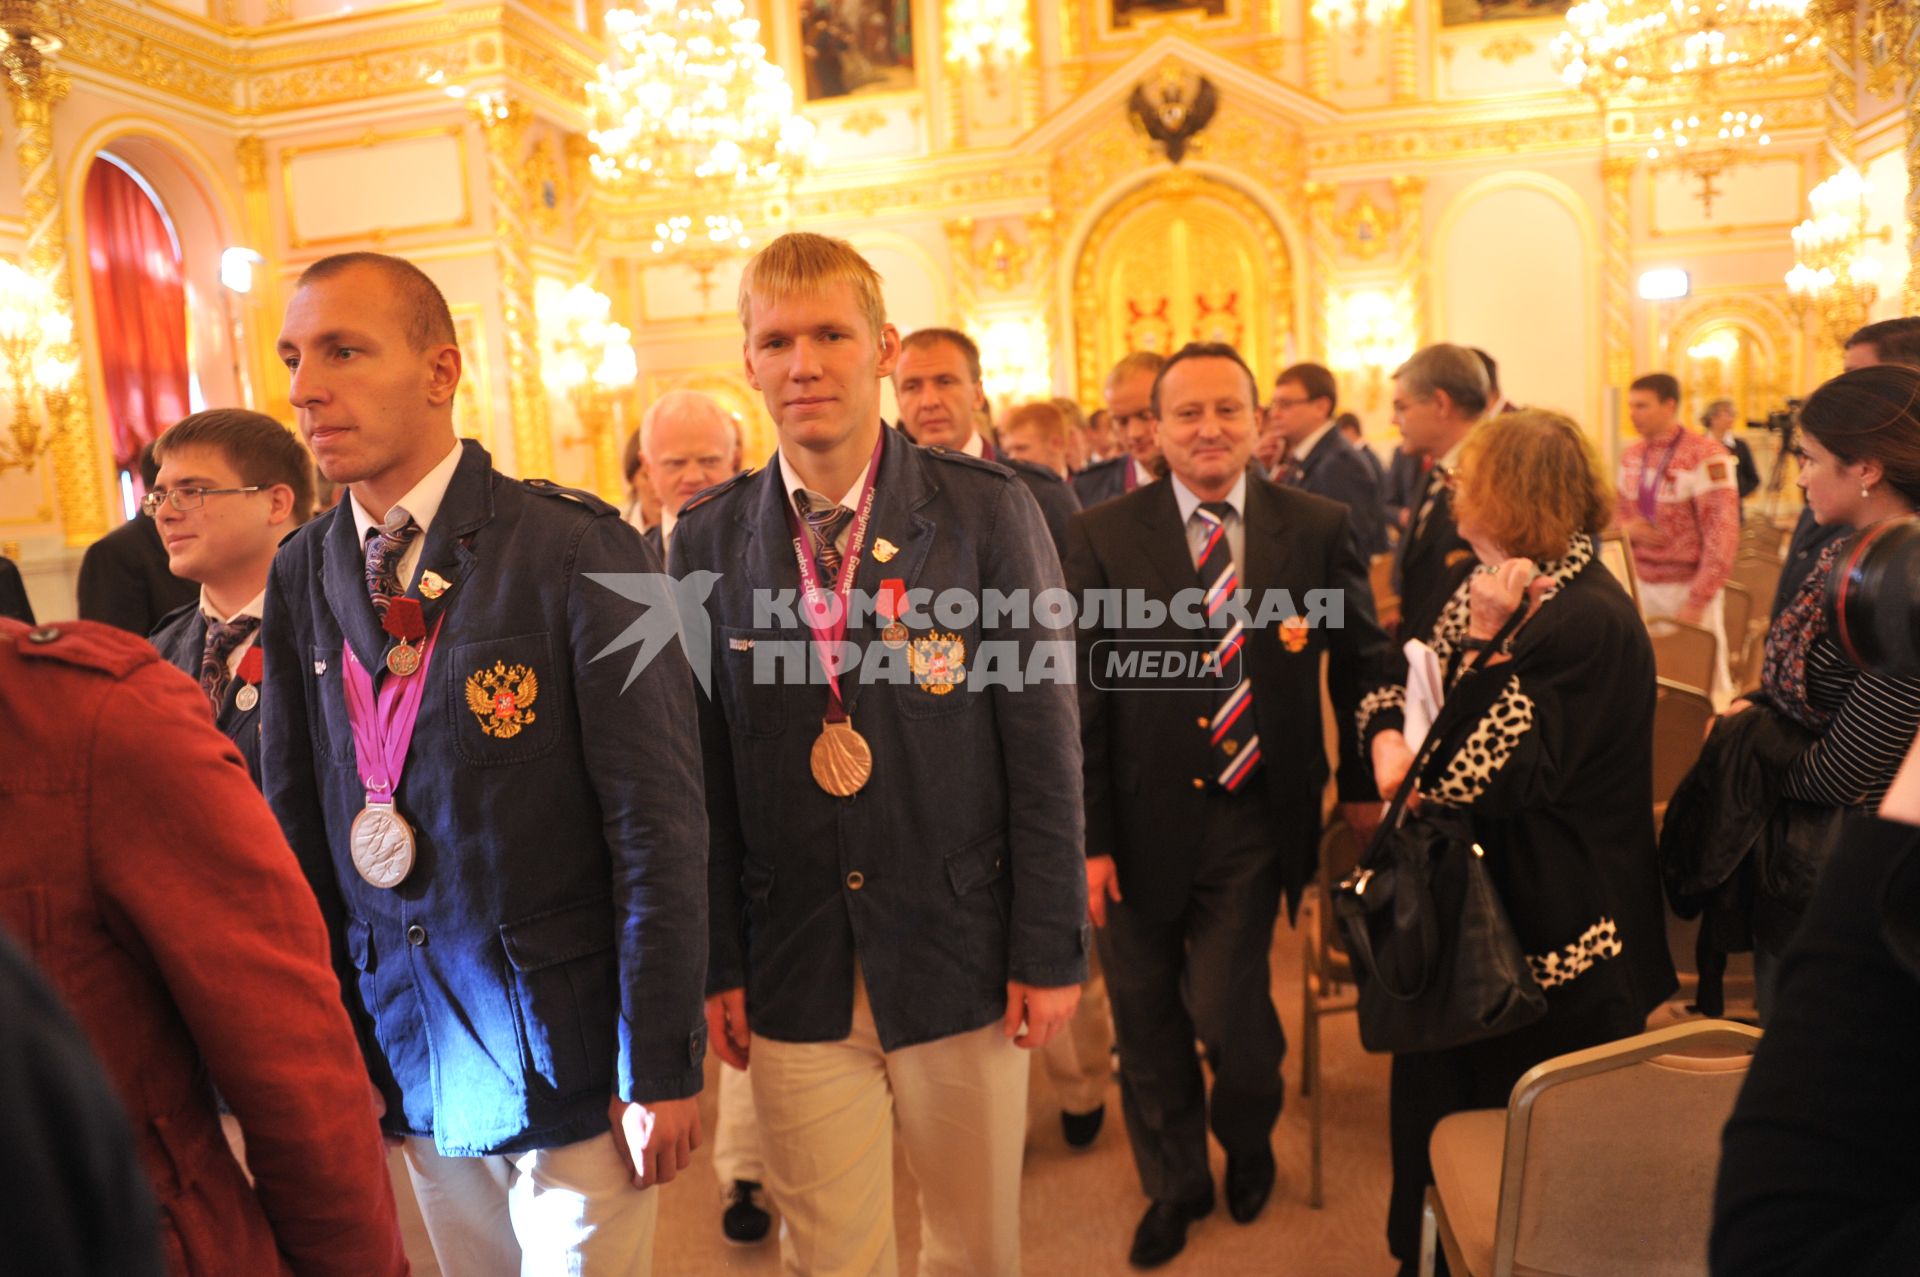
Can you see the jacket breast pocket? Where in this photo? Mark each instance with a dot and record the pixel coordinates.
(506, 697)
(566, 994)
(755, 667)
(333, 732)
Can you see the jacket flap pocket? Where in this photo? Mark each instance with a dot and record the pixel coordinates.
(976, 864)
(559, 935)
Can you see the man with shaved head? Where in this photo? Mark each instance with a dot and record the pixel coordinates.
(688, 443)
(506, 835)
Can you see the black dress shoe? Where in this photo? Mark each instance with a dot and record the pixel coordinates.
(1249, 1183)
(744, 1222)
(1163, 1231)
(1082, 1129)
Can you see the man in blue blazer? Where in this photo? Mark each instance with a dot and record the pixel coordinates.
(232, 484)
(898, 891)
(1320, 459)
(519, 899)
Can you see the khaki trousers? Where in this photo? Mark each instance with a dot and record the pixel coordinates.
(736, 1131)
(1079, 1061)
(570, 1211)
(828, 1112)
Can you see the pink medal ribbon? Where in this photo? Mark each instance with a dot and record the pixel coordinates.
(381, 842)
(829, 626)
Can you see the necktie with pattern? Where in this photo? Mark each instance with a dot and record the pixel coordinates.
(1231, 731)
(385, 548)
(222, 638)
(825, 520)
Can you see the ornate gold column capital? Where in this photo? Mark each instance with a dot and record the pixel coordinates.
(251, 154)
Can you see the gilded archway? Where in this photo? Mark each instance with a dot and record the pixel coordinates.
(1183, 258)
(1732, 347)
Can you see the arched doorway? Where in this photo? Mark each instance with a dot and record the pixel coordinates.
(1184, 258)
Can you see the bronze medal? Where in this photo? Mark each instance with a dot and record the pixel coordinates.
(842, 761)
(247, 697)
(894, 636)
(403, 659)
(381, 843)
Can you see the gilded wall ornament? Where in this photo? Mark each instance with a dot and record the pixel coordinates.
(1173, 108)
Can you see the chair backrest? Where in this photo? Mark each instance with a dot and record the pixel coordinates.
(1758, 575)
(1380, 576)
(1611, 1154)
(1738, 618)
(1683, 652)
(1680, 718)
(1618, 558)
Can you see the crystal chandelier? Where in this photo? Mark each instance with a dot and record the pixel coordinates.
(590, 359)
(987, 35)
(35, 347)
(1835, 273)
(1708, 56)
(1357, 16)
(689, 115)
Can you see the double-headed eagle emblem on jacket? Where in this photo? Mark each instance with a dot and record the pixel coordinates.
(502, 698)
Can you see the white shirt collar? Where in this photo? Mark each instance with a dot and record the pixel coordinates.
(1304, 449)
(850, 499)
(1189, 502)
(256, 606)
(422, 501)
(1141, 475)
(667, 519)
(975, 446)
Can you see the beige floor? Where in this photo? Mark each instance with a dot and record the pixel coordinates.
(1078, 1210)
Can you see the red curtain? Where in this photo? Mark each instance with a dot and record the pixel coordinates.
(139, 310)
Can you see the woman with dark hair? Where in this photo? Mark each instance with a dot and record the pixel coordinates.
(1834, 734)
(1554, 766)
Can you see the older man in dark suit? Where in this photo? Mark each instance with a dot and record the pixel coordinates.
(1320, 459)
(898, 889)
(504, 830)
(1438, 396)
(1204, 790)
(1129, 395)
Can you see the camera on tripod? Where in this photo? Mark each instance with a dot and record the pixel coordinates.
(1781, 421)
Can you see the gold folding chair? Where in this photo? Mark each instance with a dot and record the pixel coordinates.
(1327, 986)
(1683, 652)
(1601, 1165)
(1680, 718)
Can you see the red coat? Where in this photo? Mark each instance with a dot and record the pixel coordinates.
(146, 876)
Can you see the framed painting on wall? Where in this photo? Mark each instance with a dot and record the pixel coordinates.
(856, 48)
(1466, 13)
(1125, 11)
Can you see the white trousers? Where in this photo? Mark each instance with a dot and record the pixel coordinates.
(570, 1211)
(1079, 1059)
(828, 1112)
(736, 1131)
(1666, 600)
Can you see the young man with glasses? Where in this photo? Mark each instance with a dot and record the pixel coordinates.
(231, 485)
(1319, 458)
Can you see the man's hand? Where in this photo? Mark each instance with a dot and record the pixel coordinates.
(1692, 613)
(727, 1031)
(1391, 759)
(1103, 884)
(1362, 818)
(656, 1140)
(1643, 532)
(1046, 1011)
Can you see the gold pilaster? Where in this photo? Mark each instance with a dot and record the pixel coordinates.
(1911, 59)
(35, 85)
(269, 375)
(1321, 238)
(1319, 56)
(1409, 205)
(1841, 94)
(1403, 71)
(504, 121)
(596, 408)
(1618, 172)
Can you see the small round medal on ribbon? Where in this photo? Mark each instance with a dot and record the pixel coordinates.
(253, 668)
(408, 624)
(381, 843)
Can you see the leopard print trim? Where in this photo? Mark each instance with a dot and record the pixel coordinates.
(1473, 768)
(1596, 943)
(1452, 625)
(1374, 702)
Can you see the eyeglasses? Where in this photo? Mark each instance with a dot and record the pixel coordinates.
(1278, 402)
(184, 499)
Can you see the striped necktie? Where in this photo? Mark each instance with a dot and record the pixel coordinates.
(223, 637)
(825, 521)
(385, 548)
(1232, 733)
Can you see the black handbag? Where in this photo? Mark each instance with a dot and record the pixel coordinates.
(1434, 954)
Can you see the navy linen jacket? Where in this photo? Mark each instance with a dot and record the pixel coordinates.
(180, 640)
(1102, 481)
(959, 866)
(548, 948)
